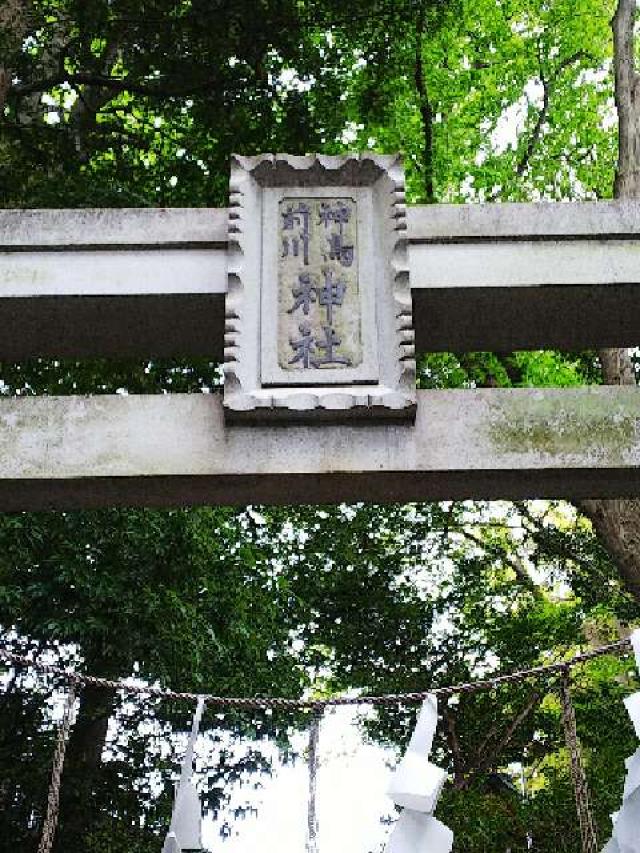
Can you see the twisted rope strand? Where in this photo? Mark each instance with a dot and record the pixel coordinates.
(588, 831)
(264, 702)
(53, 800)
(313, 762)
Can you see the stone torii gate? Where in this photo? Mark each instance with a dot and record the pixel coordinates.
(325, 275)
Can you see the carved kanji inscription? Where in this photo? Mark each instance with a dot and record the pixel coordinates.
(319, 306)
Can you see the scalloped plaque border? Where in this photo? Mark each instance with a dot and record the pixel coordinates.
(245, 399)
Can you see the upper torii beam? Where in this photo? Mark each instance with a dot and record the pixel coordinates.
(152, 282)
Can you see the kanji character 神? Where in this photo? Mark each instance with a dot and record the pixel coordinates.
(331, 293)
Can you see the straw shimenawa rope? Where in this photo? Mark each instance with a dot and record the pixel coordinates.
(263, 702)
(562, 668)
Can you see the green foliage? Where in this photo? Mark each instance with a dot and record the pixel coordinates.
(114, 103)
(418, 595)
(189, 599)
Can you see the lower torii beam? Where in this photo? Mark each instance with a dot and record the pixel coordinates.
(171, 450)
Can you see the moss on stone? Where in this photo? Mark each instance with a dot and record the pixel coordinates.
(565, 425)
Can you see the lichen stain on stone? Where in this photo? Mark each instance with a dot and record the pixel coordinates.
(15, 274)
(591, 428)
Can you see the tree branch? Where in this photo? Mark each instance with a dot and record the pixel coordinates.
(454, 745)
(520, 570)
(426, 113)
(547, 90)
(115, 84)
(488, 760)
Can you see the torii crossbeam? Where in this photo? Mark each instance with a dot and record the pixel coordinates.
(153, 282)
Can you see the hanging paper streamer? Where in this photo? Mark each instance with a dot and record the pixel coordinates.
(186, 821)
(626, 822)
(171, 844)
(314, 762)
(416, 785)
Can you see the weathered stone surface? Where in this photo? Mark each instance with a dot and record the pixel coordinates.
(319, 315)
(112, 282)
(521, 264)
(110, 272)
(176, 449)
(524, 220)
(153, 282)
(112, 227)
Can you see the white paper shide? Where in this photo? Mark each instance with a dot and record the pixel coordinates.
(626, 822)
(185, 830)
(416, 786)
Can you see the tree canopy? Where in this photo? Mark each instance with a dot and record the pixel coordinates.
(113, 103)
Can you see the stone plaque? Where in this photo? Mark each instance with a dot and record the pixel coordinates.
(318, 312)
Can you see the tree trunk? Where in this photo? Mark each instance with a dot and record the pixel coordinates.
(426, 113)
(617, 522)
(13, 27)
(81, 770)
(627, 88)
